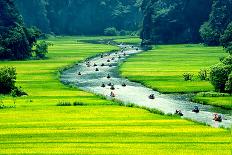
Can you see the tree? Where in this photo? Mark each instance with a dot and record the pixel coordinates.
(173, 21)
(219, 18)
(219, 76)
(111, 31)
(41, 49)
(7, 79)
(226, 39)
(16, 39)
(229, 84)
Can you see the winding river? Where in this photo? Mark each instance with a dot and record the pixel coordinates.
(101, 70)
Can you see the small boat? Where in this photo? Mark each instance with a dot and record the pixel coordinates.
(110, 65)
(152, 96)
(103, 85)
(108, 60)
(112, 94)
(178, 112)
(112, 87)
(108, 76)
(124, 85)
(196, 109)
(217, 118)
(102, 64)
(79, 73)
(96, 69)
(109, 84)
(95, 65)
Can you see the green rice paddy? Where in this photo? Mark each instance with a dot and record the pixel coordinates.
(163, 67)
(38, 126)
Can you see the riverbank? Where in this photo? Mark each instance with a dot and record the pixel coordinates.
(163, 67)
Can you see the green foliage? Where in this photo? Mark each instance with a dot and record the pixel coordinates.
(229, 84)
(209, 35)
(111, 31)
(219, 75)
(41, 49)
(203, 74)
(16, 40)
(212, 94)
(64, 103)
(17, 92)
(226, 39)
(80, 17)
(7, 79)
(173, 21)
(219, 19)
(188, 76)
(78, 104)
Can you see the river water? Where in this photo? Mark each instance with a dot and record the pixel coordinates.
(91, 74)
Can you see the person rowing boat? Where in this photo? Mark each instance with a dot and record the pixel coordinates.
(178, 112)
(196, 109)
(152, 96)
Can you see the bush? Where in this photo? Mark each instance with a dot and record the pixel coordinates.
(229, 84)
(7, 79)
(111, 31)
(63, 103)
(41, 49)
(17, 92)
(188, 76)
(203, 74)
(219, 76)
(227, 60)
(212, 94)
(78, 104)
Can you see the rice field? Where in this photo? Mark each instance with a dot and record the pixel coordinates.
(38, 126)
(163, 67)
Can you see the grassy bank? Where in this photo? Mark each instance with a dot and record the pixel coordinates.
(37, 125)
(163, 67)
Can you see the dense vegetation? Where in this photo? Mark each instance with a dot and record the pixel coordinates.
(37, 125)
(173, 21)
(16, 40)
(219, 19)
(80, 17)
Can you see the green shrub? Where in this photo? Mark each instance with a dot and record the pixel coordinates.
(188, 76)
(78, 103)
(7, 79)
(203, 74)
(219, 76)
(227, 60)
(41, 49)
(17, 92)
(64, 103)
(212, 94)
(111, 31)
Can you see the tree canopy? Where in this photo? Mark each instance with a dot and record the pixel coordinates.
(80, 17)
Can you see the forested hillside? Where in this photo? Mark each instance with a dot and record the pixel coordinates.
(80, 16)
(15, 40)
(174, 21)
(185, 21)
